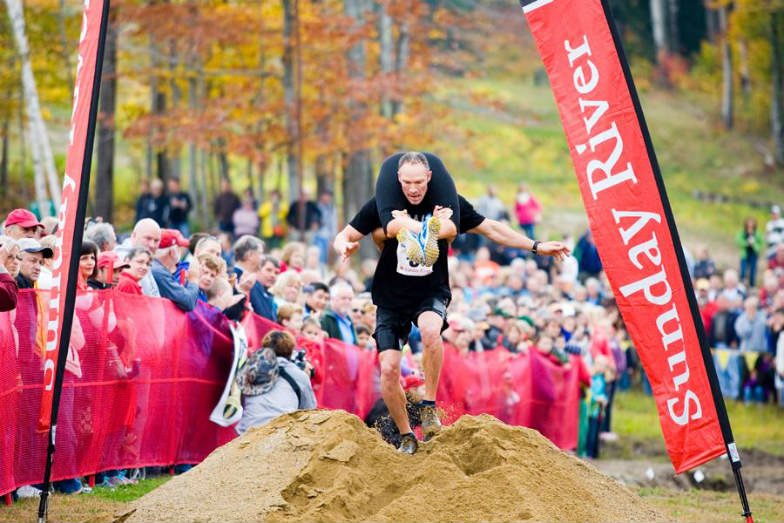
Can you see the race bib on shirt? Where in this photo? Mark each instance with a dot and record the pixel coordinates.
(408, 268)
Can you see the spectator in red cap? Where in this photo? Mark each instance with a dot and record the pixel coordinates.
(168, 254)
(21, 223)
(109, 268)
(8, 288)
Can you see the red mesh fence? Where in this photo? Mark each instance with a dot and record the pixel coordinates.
(140, 382)
(526, 389)
(143, 377)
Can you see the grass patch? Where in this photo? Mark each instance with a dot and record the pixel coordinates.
(126, 493)
(708, 506)
(755, 426)
(101, 505)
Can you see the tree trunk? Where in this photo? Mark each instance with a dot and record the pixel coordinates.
(223, 159)
(104, 173)
(159, 163)
(289, 20)
(777, 105)
(659, 25)
(727, 99)
(176, 94)
(39, 180)
(711, 22)
(206, 208)
(4, 161)
(401, 60)
(673, 27)
(194, 187)
(385, 56)
(745, 75)
(23, 156)
(358, 183)
(65, 45)
(39, 138)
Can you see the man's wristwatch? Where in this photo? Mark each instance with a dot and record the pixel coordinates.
(535, 248)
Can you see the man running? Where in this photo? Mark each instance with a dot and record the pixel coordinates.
(407, 291)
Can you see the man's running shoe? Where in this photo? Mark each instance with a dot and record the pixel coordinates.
(408, 444)
(428, 239)
(413, 249)
(431, 425)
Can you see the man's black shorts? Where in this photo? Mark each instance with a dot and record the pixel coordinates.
(393, 325)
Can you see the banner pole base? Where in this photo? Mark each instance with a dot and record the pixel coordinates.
(742, 492)
(43, 506)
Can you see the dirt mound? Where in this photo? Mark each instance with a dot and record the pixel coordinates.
(327, 466)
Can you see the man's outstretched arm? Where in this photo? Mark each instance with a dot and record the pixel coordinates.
(504, 235)
(347, 242)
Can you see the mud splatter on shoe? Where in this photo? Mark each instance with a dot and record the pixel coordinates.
(408, 444)
(431, 425)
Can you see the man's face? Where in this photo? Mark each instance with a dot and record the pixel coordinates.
(341, 301)
(253, 260)
(413, 178)
(13, 260)
(206, 277)
(17, 232)
(318, 300)
(356, 311)
(268, 274)
(209, 246)
(147, 236)
(174, 186)
(31, 264)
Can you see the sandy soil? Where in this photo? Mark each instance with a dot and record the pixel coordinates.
(327, 466)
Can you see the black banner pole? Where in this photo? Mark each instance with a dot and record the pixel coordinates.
(70, 292)
(718, 398)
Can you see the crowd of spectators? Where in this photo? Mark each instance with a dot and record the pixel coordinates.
(503, 299)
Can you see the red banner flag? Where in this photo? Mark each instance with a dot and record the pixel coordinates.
(70, 219)
(629, 217)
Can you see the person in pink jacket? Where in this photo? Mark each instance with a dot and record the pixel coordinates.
(528, 210)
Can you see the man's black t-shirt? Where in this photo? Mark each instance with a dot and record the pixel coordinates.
(399, 283)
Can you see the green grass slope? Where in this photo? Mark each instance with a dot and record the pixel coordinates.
(513, 133)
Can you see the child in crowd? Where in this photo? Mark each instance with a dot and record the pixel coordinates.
(139, 262)
(365, 338)
(601, 366)
(290, 316)
(311, 330)
(209, 270)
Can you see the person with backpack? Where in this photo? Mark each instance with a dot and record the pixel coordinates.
(271, 383)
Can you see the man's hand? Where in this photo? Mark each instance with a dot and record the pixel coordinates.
(442, 213)
(247, 280)
(345, 248)
(400, 214)
(557, 250)
(4, 254)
